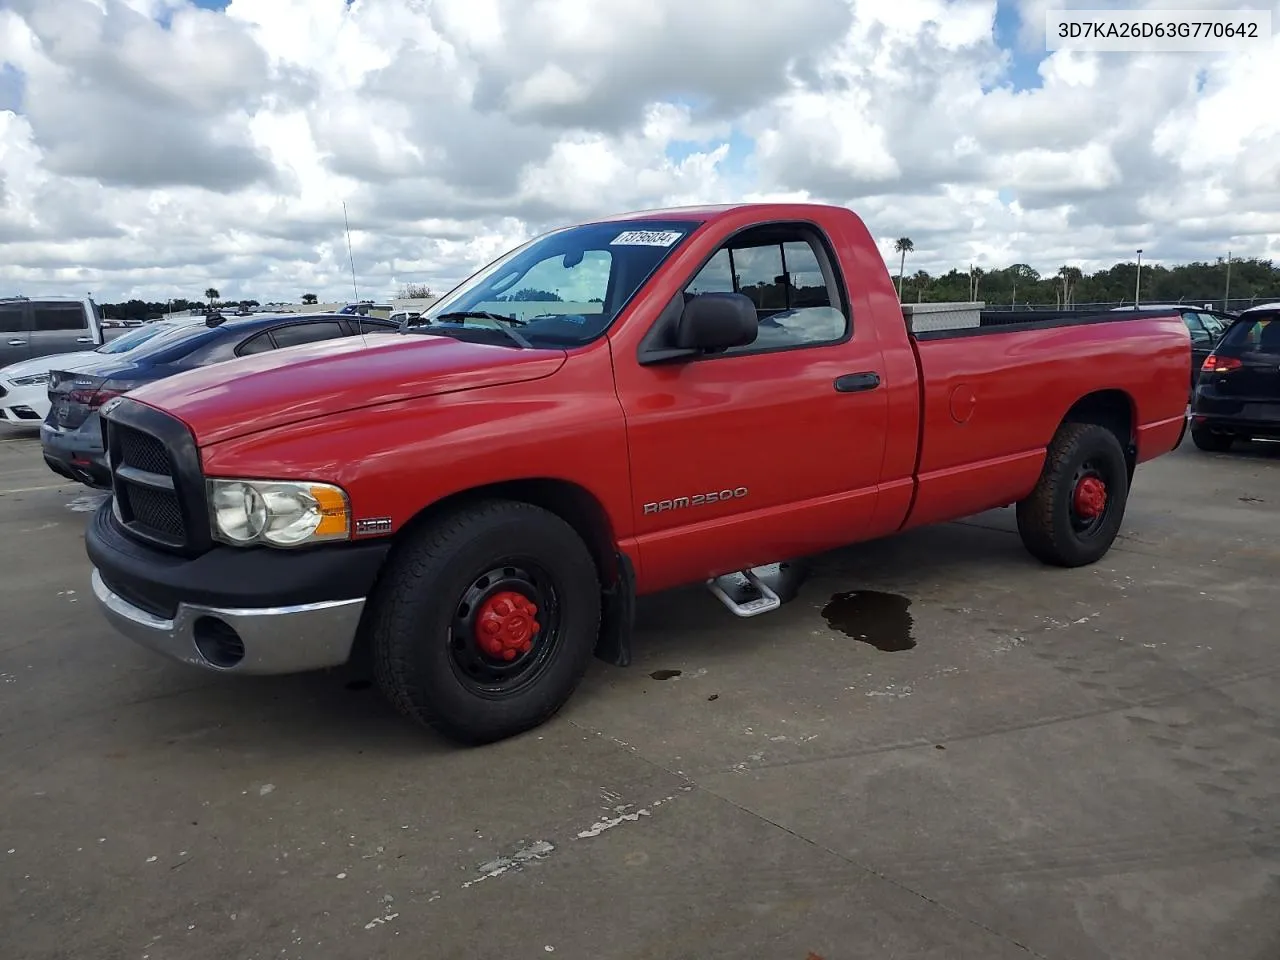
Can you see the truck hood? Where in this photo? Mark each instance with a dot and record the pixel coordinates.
(56, 361)
(267, 390)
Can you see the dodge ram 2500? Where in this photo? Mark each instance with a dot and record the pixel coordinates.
(612, 409)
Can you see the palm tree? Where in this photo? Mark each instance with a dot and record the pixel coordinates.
(975, 278)
(921, 278)
(902, 245)
(211, 294)
(1070, 276)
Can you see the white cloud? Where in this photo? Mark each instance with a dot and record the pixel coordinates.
(156, 149)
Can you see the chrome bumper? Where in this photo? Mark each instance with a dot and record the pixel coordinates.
(264, 640)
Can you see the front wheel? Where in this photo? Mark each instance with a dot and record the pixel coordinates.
(483, 624)
(1073, 515)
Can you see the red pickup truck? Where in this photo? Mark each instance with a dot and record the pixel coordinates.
(610, 410)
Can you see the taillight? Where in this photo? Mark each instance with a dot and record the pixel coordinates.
(110, 389)
(101, 397)
(1216, 364)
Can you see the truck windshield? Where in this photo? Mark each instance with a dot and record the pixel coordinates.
(561, 289)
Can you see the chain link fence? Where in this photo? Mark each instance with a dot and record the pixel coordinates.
(1234, 305)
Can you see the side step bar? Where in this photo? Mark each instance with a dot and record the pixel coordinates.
(746, 594)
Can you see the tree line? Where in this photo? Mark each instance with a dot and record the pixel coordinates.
(1233, 286)
(136, 309)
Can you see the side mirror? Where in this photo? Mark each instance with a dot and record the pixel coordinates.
(716, 321)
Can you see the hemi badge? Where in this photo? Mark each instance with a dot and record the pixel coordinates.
(374, 525)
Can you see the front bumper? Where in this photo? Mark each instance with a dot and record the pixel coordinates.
(23, 405)
(269, 640)
(251, 611)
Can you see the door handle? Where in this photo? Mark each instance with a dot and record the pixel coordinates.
(84, 339)
(857, 382)
(17, 343)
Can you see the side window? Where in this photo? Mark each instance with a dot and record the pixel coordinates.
(58, 316)
(258, 344)
(11, 315)
(1196, 328)
(797, 303)
(759, 273)
(1213, 324)
(299, 333)
(715, 277)
(375, 326)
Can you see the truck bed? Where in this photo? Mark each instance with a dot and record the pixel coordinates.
(992, 396)
(936, 326)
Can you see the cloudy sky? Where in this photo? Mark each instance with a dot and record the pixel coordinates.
(156, 147)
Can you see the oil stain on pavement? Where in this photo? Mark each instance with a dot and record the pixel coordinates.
(880, 619)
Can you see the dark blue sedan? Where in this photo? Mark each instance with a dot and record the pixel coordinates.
(71, 434)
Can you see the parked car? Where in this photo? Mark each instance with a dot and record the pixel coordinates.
(1205, 325)
(480, 499)
(24, 386)
(71, 434)
(1238, 397)
(40, 326)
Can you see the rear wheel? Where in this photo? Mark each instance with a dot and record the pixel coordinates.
(1207, 440)
(484, 623)
(1074, 513)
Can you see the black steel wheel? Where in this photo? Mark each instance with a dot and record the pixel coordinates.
(505, 628)
(485, 619)
(1073, 515)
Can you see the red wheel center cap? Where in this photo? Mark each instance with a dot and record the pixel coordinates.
(506, 625)
(1090, 498)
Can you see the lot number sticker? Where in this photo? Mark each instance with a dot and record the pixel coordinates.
(646, 238)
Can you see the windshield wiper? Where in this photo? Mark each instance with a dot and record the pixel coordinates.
(506, 324)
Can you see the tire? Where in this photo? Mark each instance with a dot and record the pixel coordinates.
(426, 636)
(1205, 439)
(1050, 521)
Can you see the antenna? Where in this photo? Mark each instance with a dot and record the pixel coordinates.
(354, 289)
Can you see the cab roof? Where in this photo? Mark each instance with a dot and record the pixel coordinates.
(716, 211)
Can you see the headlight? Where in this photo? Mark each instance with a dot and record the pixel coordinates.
(280, 513)
(31, 381)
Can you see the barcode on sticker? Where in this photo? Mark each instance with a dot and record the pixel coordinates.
(646, 238)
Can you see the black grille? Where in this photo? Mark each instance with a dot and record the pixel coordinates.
(3, 392)
(156, 478)
(157, 510)
(143, 451)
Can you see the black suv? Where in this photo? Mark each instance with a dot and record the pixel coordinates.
(1238, 396)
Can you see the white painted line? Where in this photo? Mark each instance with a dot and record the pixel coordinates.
(22, 440)
(56, 486)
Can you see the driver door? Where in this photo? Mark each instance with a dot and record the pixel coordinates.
(753, 455)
